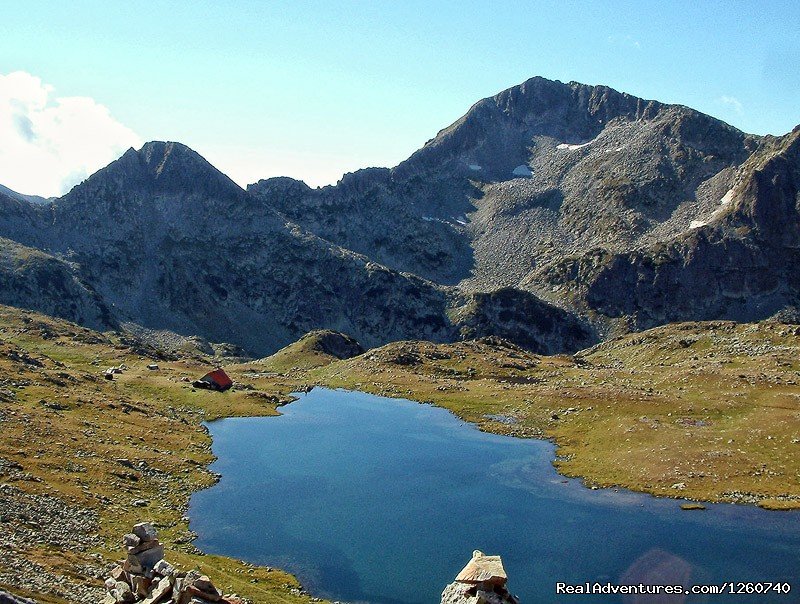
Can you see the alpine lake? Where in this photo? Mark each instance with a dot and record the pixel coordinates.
(370, 499)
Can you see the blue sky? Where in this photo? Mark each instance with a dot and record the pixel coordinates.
(314, 89)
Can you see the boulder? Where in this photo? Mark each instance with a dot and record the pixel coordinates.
(195, 586)
(122, 592)
(160, 592)
(163, 568)
(483, 569)
(203, 583)
(132, 565)
(481, 581)
(464, 593)
(149, 557)
(145, 531)
(143, 546)
(141, 585)
(119, 574)
(130, 540)
(202, 587)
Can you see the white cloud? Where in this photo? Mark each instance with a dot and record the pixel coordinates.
(48, 143)
(731, 102)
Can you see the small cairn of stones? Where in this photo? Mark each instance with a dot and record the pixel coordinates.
(481, 581)
(112, 371)
(146, 577)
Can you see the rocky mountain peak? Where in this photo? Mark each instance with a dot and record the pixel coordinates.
(496, 134)
(569, 110)
(175, 168)
(171, 164)
(157, 169)
(280, 184)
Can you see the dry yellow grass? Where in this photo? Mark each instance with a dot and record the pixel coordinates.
(101, 444)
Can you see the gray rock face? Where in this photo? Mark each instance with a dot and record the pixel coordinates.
(333, 343)
(736, 265)
(546, 184)
(144, 531)
(35, 280)
(524, 319)
(406, 226)
(463, 593)
(168, 242)
(550, 214)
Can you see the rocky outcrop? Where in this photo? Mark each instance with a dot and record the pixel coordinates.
(482, 581)
(35, 280)
(332, 343)
(522, 318)
(170, 243)
(145, 576)
(582, 196)
(405, 226)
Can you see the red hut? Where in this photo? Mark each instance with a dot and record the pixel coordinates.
(214, 380)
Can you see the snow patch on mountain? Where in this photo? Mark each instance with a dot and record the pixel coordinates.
(569, 147)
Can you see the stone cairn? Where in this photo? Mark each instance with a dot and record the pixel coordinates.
(481, 581)
(144, 576)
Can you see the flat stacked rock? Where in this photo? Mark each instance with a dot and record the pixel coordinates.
(146, 577)
(481, 581)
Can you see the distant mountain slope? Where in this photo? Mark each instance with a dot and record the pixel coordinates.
(29, 198)
(33, 280)
(22, 221)
(522, 318)
(551, 214)
(738, 263)
(405, 225)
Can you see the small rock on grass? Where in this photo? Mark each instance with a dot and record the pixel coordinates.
(692, 506)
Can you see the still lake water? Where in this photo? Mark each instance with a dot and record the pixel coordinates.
(369, 499)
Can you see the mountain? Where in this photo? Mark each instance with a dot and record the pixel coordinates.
(29, 198)
(551, 214)
(736, 260)
(172, 243)
(538, 171)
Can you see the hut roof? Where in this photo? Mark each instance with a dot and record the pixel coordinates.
(219, 378)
